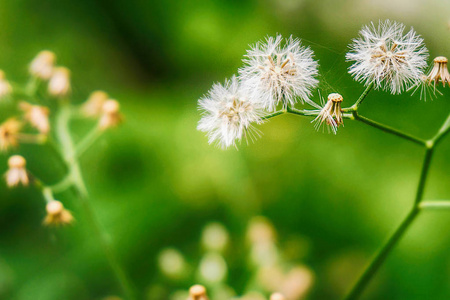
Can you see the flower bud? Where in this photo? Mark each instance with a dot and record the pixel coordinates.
(37, 116)
(57, 214)
(16, 174)
(5, 86)
(93, 107)
(42, 65)
(197, 292)
(59, 84)
(9, 131)
(110, 116)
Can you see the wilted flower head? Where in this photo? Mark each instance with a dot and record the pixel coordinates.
(388, 58)
(36, 115)
(276, 74)
(228, 115)
(42, 65)
(93, 106)
(5, 86)
(9, 132)
(331, 113)
(57, 214)
(110, 115)
(59, 84)
(439, 71)
(197, 292)
(16, 174)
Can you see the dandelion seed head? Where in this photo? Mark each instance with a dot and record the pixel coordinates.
(275, 74)
(228, 115)
(382, 54)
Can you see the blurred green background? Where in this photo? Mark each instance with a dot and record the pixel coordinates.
(155, 182)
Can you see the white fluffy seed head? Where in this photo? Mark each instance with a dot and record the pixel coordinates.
(382, 54)
(275, 73)
(228, 114)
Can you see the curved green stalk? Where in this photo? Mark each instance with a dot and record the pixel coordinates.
(389, 129)
(69, 155)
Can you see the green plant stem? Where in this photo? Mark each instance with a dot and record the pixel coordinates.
(301, 112)
(389, 129)
(272, 115)
(436, 204)
(382, 254)
(423, 175)
(361, 98)
(385, 250)
(68, 150)
(88, 141)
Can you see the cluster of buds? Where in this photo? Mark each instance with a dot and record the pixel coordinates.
(35, 116)
(100, 106)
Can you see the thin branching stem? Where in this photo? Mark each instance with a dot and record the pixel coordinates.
(272, 115)
(381, 256)
(68, 150)
(88, 141)
(435, 205)
(418, 205)
(389, 129)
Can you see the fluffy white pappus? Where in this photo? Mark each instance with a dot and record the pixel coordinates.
(275, 74)
(382, 54)
(228, 115)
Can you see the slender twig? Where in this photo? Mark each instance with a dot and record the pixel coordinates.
(68, 150)
(272, 115)
(423, 175)
(87, 141)
(381, 255)
(435, 204)
(301, 112)
(442, 132)
(361, 98)
(389, 129)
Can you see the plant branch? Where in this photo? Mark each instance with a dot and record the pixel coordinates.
(361, 98)
(435, 204)
(87, 141)
(68, 150)
(272, 115)
(382, 254)
(389, 129)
